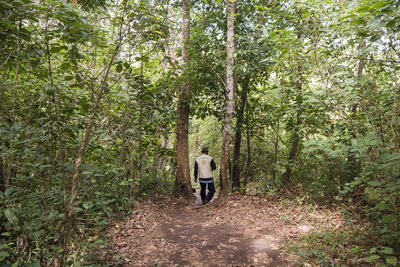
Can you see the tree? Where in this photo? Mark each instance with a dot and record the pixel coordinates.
(296, 139)
(230, 96)
(182, 181)
(251, 69)
(238, 135)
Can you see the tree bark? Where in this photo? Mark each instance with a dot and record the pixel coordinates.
(230, 98)
(247, 172)
(276, 145)
(296, 135)
(182, 182)
(238, 136)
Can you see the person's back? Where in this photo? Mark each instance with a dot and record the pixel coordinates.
(203, 169)
(204, 166)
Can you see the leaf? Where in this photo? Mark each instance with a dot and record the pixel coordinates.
(64, 66)
(358, 21)
(77, 210)
(389, 218)
(375, 23)
(55, 49)
(87, 204)
(26, 37)
(363, 9)
(381, 206)
(378, 4)
(118, 68)
(4, 254)
(373, 258)
(100, 241)
(11, 216)
(374, 183)
(394, 156)
(9, 191)
(158, 32)
(392, 260)
(387, 250)
(375, 37)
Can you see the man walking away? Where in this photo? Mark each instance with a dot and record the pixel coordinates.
(204, 166)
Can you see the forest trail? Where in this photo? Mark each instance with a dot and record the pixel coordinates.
(237, 231)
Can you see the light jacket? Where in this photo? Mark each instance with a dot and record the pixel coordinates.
(204, 166)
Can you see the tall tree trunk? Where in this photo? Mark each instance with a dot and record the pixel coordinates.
(230, 97)
(296, 135)
(247, 171)
(238, 136)
(182, 181)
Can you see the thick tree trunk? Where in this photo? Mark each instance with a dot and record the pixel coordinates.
(230, 98)
(238, 136)
(182, 181)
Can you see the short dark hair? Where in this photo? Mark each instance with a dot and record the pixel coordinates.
(204, 149)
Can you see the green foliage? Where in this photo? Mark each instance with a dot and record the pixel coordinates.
(57, 60)
(343, 248)
(260, 185)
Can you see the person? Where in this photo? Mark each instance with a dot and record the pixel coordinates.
(204, 166)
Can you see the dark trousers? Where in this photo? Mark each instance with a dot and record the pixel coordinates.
(211, 191)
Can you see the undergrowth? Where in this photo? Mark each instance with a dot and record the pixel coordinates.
(354, 242)
(32, 231)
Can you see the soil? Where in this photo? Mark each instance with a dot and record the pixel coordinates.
(234, 231)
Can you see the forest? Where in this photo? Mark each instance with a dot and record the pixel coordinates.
(104, 106)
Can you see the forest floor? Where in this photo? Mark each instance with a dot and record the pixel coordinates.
(235, 231)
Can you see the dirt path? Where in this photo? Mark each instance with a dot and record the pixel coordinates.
(238, 231)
